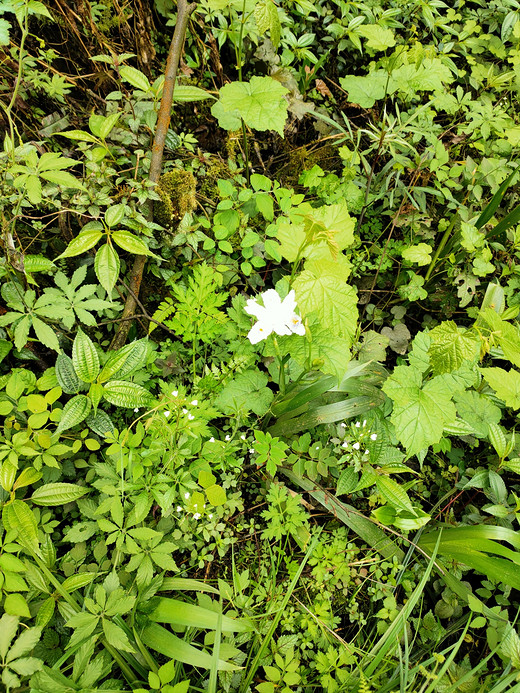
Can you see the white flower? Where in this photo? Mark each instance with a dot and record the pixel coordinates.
(190, 417)
(357, 424)
(345, 445)
(274, 316)
(184, 411)
(175, 393)
(343, 424)
(364, 423)
(366, 452)
(212, 440)
(167, 413)
(228, 438)
(179, 508)
(373, 436)
(196, 516)
(251, 451)
(136, 409)
(187, 495)
(242, 437)
(210, 515)
(194, 402)
(356, 446)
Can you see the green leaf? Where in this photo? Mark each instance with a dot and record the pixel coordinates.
(57, 494)
(267, 19)
(5, 348)
(379, 38)
(17, 516)
(79, 136)
(125, 394)
(107, 267)
(420, 413)
(216, 495)
(83, 242)
(45, 334)
(66, 375)
(181, 613)
(114, 215)
(365, 91)
(21, 332)
(125, 360)
(161, 640)
(131, 243)
(8, 628)
(451, 346)
(259, 102)
(135, 77)
(334, 303)
(74, 412)
(85, 358)
(185, 93)
(505, 383)
(4, 32)
(100, 423)
(116, 636)
(420, 253)
(66, 180)
(394, 494)
(247, 392)
(26, 666)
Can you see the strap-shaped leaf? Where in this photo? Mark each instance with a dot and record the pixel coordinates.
(85, 358)
(66, 375)
(125, 394)
(74, 412)
(57, 494)
(183, 614)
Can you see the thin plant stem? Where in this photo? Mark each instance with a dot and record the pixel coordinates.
(281, 366)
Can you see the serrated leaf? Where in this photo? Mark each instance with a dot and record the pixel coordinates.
(57, 494)
(334, 303)
(135, 77)
(107, 267)
(365, 91)
(83, 242)
(420, 254)
(451, 346)
(100, 423)
(8, 628)
(63, 178)
(21, 332)
(394, 494)
(131, 243)
(74, 412)
(17, 516)
(85, 358)
(24, 644)
(505, 383)
(116, 636)
(247, 392)
(45, 334)
(125, 394)
(185, 93)
(260, 102)
(4, 32)
(378, 38)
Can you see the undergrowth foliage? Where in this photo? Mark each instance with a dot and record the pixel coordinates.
(301, 470)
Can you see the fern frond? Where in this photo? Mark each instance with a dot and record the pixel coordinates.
(163, 312)
(364, 686)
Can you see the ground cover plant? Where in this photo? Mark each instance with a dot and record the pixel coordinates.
(259, 348)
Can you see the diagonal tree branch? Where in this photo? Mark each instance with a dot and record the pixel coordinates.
(163, 122)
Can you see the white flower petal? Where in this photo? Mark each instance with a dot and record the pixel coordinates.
(272, 300)
(258, 332)
(252, 308)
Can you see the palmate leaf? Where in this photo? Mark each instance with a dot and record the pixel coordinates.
(260, 103)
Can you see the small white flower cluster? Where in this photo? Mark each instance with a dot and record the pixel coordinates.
(167, 413)
(361, 432)
(196, 515)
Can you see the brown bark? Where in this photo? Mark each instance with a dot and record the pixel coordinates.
(163, 122)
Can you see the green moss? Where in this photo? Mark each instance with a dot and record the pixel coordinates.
(177, 192)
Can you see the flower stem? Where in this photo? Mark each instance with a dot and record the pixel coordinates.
(281, 366)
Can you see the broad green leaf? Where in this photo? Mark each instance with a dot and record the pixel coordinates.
(131, 243)
(62, 178)
(185, 93)
(394, 494)
(83, 242)
(79, 136)
(85, 358)
(74, 412)
(477, 411)
(21, 332)
(125, 394)
(26, 666)
(114, 215)
(420, 253)
(192, 616)
(124, 360)
(107, 267)
(57, 494)
(419, 413)
(46, 335)
(267, 19)
(161, 640)
(378, 37)
(365, 91)
(260, 102)
(108, 124)
(100, 423)
(17, 516)
(334, 303)
(247, 392)
(135, 77)
(451, 346)
(505, 383)
(66, 375)
(16, 605)
(8, 628)
(326, 351)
